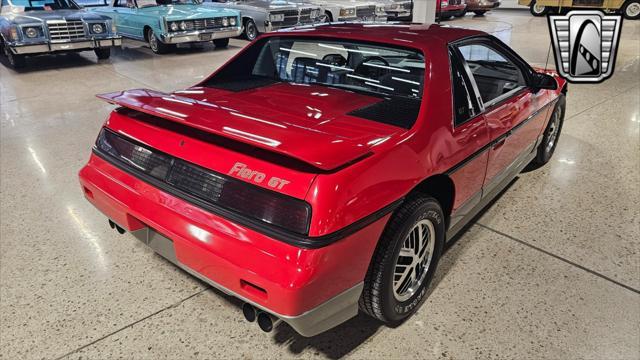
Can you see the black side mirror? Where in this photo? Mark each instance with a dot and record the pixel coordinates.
(543, 81)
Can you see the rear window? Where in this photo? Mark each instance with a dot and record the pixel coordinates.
(376, 70)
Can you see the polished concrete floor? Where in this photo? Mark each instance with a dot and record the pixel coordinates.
(551, 270)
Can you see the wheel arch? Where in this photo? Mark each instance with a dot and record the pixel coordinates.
(442, 188)
(145, 32)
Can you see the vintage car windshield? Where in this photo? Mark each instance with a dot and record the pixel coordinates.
(31, 5)
(148, 3)
(376, 70)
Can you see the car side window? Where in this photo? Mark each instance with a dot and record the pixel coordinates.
(496, 76)
(464, 107)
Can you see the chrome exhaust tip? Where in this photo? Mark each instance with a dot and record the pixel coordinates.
(249, 312)
(267, 322)
(120, 230)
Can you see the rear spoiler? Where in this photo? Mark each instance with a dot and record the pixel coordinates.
(316, 148)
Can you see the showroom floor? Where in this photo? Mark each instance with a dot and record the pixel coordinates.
(550, 270)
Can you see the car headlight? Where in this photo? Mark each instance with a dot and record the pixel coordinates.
(31, 32)
(444, 3)
(232, 21)
(276, 17)
(225, 21)
(97, 28)
(347, 12)
(380, 10)
(183, 25)
(173, 26)
(315, 13)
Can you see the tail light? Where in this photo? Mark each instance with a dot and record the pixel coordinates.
(218, 191)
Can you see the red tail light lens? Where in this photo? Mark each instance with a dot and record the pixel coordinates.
(214, 189)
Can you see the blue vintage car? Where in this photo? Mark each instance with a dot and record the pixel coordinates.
(165, 23)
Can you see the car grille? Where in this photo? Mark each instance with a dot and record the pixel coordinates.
(61, 30)
(203, 24)
(305, 16)
(291, 18)
(368, 12)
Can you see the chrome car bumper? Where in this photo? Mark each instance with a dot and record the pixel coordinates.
(323, 317)
(201, 35)
(46, 47)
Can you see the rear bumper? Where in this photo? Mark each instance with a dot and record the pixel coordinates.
(312, 290)
(47, 47)
(201, 35)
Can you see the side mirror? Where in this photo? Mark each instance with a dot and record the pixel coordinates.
(543, 81)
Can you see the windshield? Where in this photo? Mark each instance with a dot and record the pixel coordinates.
(49, 5)
(375, 70)
(147, 3)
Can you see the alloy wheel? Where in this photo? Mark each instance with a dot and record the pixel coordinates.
(539, 9)
(553, 131)
(413, 260)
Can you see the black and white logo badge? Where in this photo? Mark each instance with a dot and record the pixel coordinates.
(585, 44)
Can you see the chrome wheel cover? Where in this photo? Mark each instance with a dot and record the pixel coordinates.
(538, 9)
(252, 32)
(632, 10)
(153, 41)
(554, 126)
(413, 260)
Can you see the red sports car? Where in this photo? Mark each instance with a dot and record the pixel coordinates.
(322, 169)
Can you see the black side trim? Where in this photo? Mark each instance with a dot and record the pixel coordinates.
(464, 162)
(302, 241)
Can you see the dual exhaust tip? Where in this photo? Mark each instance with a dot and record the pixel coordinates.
(266, 321)
(116, 227)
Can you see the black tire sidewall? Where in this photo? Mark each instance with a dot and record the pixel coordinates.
(543, 155)
(396, 311)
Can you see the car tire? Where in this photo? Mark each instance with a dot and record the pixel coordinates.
(551, 134)
(250, 30)
(386, 296)
(15, 61)
(103, 53)
(461, 13)
(631, 10)
(538, 10)
(157, 46)
(221, 43)
(329, 17)
(480, 12)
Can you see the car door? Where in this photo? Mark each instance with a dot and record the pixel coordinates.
(499, 79)
(123, 10)
(470, 135)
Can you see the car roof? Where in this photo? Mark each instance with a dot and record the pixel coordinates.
(420, 36)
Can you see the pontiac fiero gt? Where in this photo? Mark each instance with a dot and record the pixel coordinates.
(321, 171)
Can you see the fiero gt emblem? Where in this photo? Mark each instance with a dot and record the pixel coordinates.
(241, 170)
(585, 44)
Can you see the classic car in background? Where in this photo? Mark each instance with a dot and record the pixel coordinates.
(350, 10)
(260, 16)
(398, 10)
(30, 27)
(479, 7)
(630, 9)
(446, 9)
(164, 23)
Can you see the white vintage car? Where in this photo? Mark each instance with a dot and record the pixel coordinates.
(351, 10)
(260, 16)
